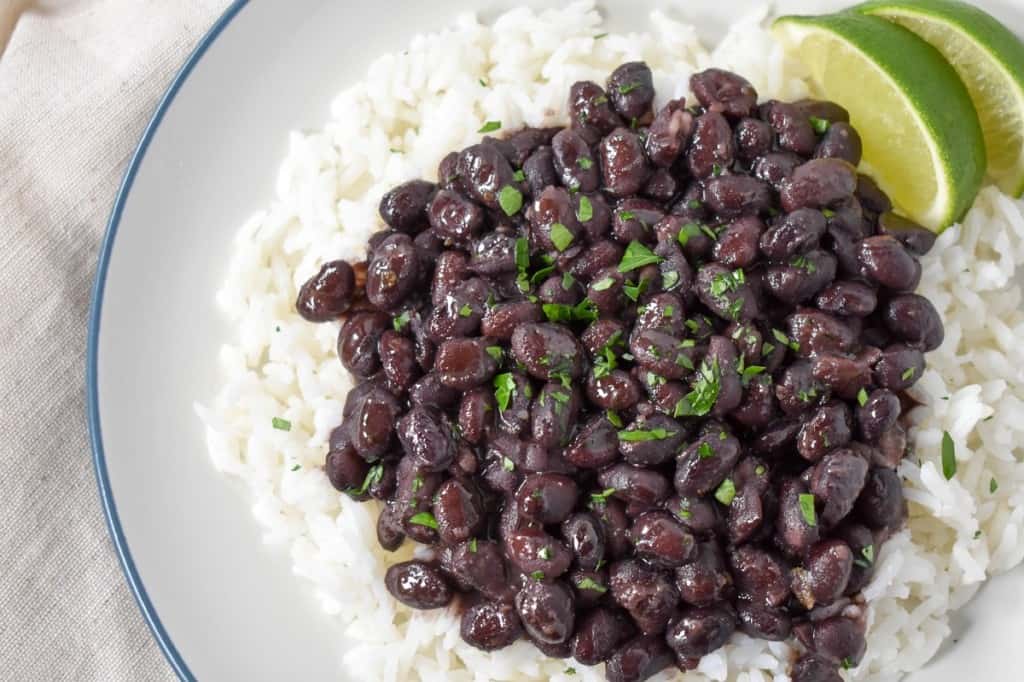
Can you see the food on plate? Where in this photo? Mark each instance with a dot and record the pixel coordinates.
(640, 377)
(744, 600)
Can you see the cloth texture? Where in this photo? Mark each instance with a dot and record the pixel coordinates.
(79, 80)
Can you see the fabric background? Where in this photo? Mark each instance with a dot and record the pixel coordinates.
(79, 79)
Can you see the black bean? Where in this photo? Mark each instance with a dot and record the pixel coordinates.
(775, 168)
(836, 482)
(345, 469)
(885, 261)
(404, 207)
(596, 444)
(546, 498)
(430, 392)
(598, 634)
(574, 163)
(724, 92)
(539, 170)
(633, 218)
(612, 515)
(730, 196)
(753, 139)
(589, 586)
(418, 585)
(463, 364)
(660, 540)
(668, 133)
(585, 537)
(459, 512)
(489, 626)
(840, 640)
(641, 442)
(899, 368)
(426, 436)
(794, 233)
(794, 532)
(479, 565)
(616, 390)
(878, 414)
(802, 277)
(712, 147)
(548, 351)
(706, 579)
(810, 668)
(842, 374)
(726, 293)
(646, 593)
(501, 320)
(590, 110)
(546, 611)
(918, 240)
(818, 332)
(553, 206)
(737, 244)
(635, 485)
(823, 109)
(537, 554)
(828, 428)
(700, 630)
(792, 127)
(455, 217)
(880, 504)
(485, 172)
(328, 293)
(764, 622)
(493, 254)
(623, 163)
(703, 465)
(847, 298)
(914, 320)
(596, 226)
(761, 575)
(357, 342)
(451, 269)
(389, 528)
(840, 141)
(371, 424)
(594, 259)
(825, 574)
(818, 184)
(638, 659)
(631, 89)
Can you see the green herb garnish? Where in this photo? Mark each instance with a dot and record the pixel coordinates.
(948, 456)
(490, 127)
(637, 255)
(628, 88)
(466, 310)
(281, 424)
(820, 125)
(561, 237)
(908, 373)
(585, 162)
(495, 352)
(704, 450)
(504, 389)
(640, 435)
(688, 231)
(588, 583)
(424, 519)
(510, 199)
(603, 284)
(614, 418)
(862, 397)
(585, 211)
(807, 509)
(602, 497)
(726, 492)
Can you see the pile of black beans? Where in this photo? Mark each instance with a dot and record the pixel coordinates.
(638, 381)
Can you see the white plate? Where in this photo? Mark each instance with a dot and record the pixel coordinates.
(222, 606)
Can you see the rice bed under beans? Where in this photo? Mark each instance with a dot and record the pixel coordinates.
(413, 108)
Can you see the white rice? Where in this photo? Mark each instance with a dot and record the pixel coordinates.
(430, 99)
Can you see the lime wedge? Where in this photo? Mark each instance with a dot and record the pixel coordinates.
(921, 136)
(990, 61)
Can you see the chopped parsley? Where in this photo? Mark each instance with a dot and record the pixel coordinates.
(519, 175)
(820, 125)
(993, 485)
(472, 546)
(600, 35)
(640, 435)
(704, 450)
(570, 670)
(614, 418)
(504, 389)
(561, 237)
(726, 492)
(567, 281)
(586, 210)
(628, 88)
(784, 340)
(584, 311)
(510, 199)
(544, 552)
(585, 162)
(507, 464)
(688, 231)
(424, 519)
(669, 279)
(466, 310)
(908, 373)
(588, 583)
(862, 397)
(482, 82)
(281, 424)
(495, 352)
(804, 264)
(807, 509)
(684, 510)
(417, 483)
(701, 399)
(537, 575)
(867, 557)
(828, 213)
(635, 291)
(602, 497)
(716, 169)
(627, 215)
(603, 284)
(400, 320)
(948, 456)
(522, 257)
(637, 255)
(727, 281)
(759, 470)
(373, 476)
(296, 467)
(694, 204)
(490, 127)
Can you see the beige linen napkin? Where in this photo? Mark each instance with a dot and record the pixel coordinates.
(78, 82)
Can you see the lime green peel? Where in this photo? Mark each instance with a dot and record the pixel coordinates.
(989, 59)
(922, 138)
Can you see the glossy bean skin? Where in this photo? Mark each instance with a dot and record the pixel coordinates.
(731, 196)
(818, 183)
(737, 246)
(463, 364)
(837, 481)
(598, 634)
(455, 217)
(547, 350)
(427, 438)
(706, 579)
(886, 262)
(668, 133)
(623, 163)
(700, 630)
(546, 498)
(612, 515)
(764, 622)
(484, 171)
(739, 299)
(585, 537)
(595, 445)
(810, 668)
(753, 139)
(839, 639)
(357, 342)
(829, 427)
(818, 332)
(880, 504)
(539, 170)
(617, 390)
(590, 111)
(647, 594)
(724, 92)
(660, 540)
(877, 415)
(801, 278)
(404, 207)
(760, 575)
(569, 147)
(633, 218)
(500, 321)
(775, 168)
(492, 255)
(631, 90)
(644, 487)
(370, 426)
(899, 367)
(840, 141)
(825, 574)
(914, 320)
(794, 233)
(792, 127)
(700, 474)
(535, 553)
(418, 585)
(328, 293)
(793, 533)
(847, 298)
(489, 626)
(918, 240)
(459, 512)
(546, 611)
(712, 146)
(479, 565)
(345, 469)
(654, 451)
(428, 391)
(638, 659)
